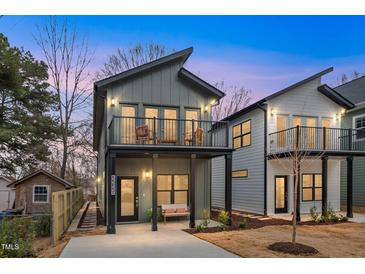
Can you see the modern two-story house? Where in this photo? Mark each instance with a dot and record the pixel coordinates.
(354, 118)
(306, 118)
(154, 137)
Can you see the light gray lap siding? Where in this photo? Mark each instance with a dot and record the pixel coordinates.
(247, 193)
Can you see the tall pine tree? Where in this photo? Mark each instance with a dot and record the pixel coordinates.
(26, 106)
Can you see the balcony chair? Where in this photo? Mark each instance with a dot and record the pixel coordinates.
(198, 137)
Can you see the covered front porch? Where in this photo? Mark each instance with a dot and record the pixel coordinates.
(159, 176)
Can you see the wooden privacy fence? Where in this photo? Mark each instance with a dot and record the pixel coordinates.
(65, 205)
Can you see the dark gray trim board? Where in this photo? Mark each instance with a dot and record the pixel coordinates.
(189, 76)
(276, 94)
(183, 54)
(335, 96)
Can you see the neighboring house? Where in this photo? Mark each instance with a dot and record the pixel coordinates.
(33, 193)
(354, 118)
(265, 133)
(153, 134)
(7, 194)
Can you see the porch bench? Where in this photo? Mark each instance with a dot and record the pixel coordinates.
(174, 210)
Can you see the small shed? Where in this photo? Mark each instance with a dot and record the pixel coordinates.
(33, 193)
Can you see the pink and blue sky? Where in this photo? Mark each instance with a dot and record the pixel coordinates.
(261, 53)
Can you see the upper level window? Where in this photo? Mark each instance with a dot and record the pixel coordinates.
(242, 134)
(40, 194)
(359, 123)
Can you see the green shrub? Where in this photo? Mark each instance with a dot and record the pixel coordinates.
(223, 219)
(16, 237)
(149, 214)
(205, 222)
(314, 213)
(330, 216)
(42, 225)
(243, 224)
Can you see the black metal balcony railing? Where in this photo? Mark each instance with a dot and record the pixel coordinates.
(174, 132)
(317, 139)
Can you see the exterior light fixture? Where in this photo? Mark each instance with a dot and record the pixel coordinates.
(273, 112)
(98, 179)
(206, 108)
(113, 102)
(343, 111)
(147, 174)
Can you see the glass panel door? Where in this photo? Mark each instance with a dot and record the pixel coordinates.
(169, 125)
(280, 194)
(326, 123)
(190, 115)
(151, 113)
(281, 125)
(128, 125)
(311, 123)
(127, 199)
(127, 194)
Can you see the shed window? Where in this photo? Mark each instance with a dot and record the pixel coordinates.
(242, 134)
(40, 194)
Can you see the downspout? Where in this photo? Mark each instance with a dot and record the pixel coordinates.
(265, 157)
(105, 155)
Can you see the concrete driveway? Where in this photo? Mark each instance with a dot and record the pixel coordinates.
(138, 241)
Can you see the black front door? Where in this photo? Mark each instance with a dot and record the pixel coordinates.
(127, 199)
(281, 194)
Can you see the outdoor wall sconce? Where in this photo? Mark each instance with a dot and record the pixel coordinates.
(206, 108)
(273, 112)
(147, 174)
(98, 179)
(113, 102)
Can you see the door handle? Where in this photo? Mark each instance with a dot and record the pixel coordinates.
(137, 201)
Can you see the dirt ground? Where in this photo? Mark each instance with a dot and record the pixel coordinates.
(44, 248)
(337, 240)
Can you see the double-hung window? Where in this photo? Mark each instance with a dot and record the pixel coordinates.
(242, 134)
(40, 194)
(311, 187)
(172, 189)
(359, 125)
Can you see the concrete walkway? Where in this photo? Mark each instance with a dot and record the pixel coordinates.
(138, 241)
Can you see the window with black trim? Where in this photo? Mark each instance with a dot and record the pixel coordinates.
(242, 173)
(242, 134)
(172, 189)
(311, 187)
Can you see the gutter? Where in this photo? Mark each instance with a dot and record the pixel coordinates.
(265, 157)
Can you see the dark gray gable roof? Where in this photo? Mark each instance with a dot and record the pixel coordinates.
(280, 92)
(353, 90)
(56, 178)
(184, 54)
(336, 97)
(192, 78)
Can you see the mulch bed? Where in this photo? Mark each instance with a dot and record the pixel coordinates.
(252, 223)
(293, 248)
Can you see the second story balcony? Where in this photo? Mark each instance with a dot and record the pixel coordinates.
(141, 131)
(318, 139)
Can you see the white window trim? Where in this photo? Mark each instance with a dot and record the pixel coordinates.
(38, 202)
(354, 126)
